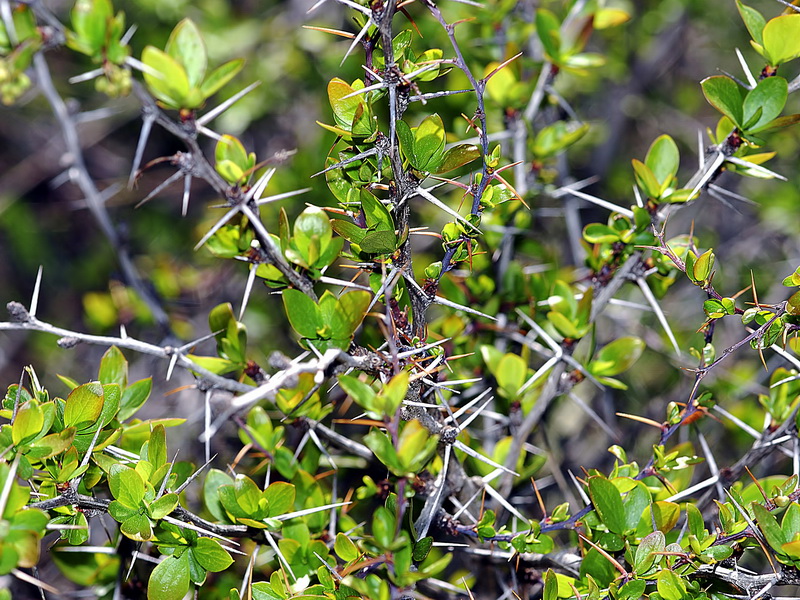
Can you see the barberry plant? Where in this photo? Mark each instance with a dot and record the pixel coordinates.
(432, 358)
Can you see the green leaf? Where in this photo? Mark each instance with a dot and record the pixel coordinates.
(28, 423)
(111, 402)
(137, 527)
(645, 553)
(211, 555)
(768, 525)
(663, 160)
(186, 46)
(303, 312)
(383, 527)
(169, 83)
(608, 503)
(645, 179)
(113, 368)
(406, 137)
(231, 159)
(378, 242)
(345, 548)
(511, 374)
(632, 590)
(376, 214)
(90, 20)
(616, 357)
(157, 447)
(724, 94)
(429, 142)
(670, 586)
(458, 156)
(133, 397)
(349, 230)
(597, 233)
(381, 445)
(753, 20)
(393, 393)
(791, 521)
(281, 496)
(170, 579)
(414, 447)
(220, 76)
(126, 486)
(248, 495)
(344, 109)
(214, 480)
(51, 445)
(550, 591)
(548, 29)
(563, 324)
(83, 406)
(351, 308)
(554, 138)
(163, 506)
(703, 267)
(359, 391)
(769, 96)
(636, 501)
(781, 39)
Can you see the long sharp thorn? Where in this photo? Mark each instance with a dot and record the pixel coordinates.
(207, 424)
(309, 511)
(750, 165)
(701, 153)
(338, 165)
(464, 448)
(161, 186)
(215, 112)
(147, 125)
(551, 362)
(599, 202)
(476, 414)
(651, 299)
(172, 362)
(441, 205)
(216, 227)
(187, 188)
(37, 287)
(276, 197)
(445, 302)
(248, 288)
(467, 406)
(260, 185)
(747, 73)
(711, 170)
(505, 503)
(357, 39)
(424, 521)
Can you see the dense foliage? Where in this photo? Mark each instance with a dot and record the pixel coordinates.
(438, 330)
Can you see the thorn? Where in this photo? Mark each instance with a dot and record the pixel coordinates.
(37, 288)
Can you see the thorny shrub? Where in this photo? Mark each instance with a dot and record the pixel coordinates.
(425, 339)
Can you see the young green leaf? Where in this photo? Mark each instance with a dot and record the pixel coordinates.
(781, 39)
(753, 20)
(724, 94)
(187, 47)
(211, 555)
(608, 503)
(663, 160)
(769, 97)
(83, 406)
(170, 579)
